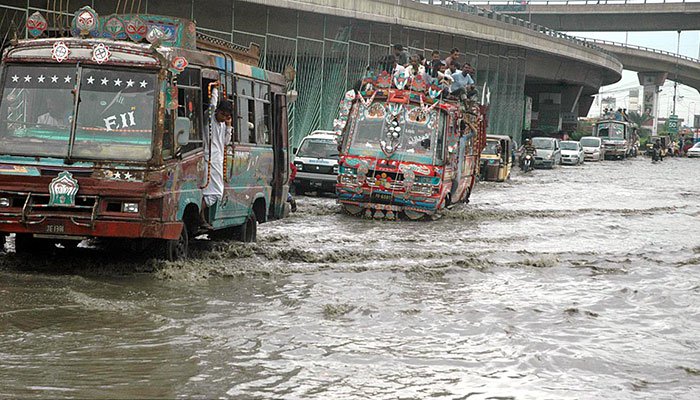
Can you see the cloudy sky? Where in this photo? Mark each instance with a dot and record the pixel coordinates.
(688, 104)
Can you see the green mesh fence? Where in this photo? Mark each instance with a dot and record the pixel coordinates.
(309, 85)
(358, 61)
(335, 81)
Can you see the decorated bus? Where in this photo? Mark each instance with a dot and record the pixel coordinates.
(103, 134)
(619, 136)
(407, 149)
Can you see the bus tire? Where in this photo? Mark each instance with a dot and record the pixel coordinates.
(249, 229)
(25, 243)
(177, 249)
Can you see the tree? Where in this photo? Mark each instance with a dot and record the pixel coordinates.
(639, 119)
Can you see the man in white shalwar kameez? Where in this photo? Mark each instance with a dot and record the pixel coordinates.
(221, 129)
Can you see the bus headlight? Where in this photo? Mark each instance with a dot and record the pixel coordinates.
(130, 207)
(5, 202)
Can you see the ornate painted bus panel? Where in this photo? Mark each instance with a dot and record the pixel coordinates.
(103, 135)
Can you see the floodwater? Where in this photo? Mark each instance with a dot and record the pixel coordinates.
(577, 283)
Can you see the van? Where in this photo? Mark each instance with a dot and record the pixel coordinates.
(316, 160)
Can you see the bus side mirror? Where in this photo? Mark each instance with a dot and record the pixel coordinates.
(294, 150)
(182, 130)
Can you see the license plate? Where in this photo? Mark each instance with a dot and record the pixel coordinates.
(55, 229)
(381, 198)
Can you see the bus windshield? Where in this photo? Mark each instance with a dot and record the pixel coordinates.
(611, 130)
(115, 114)
(418, 140)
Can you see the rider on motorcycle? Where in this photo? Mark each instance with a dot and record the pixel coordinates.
(525, 149)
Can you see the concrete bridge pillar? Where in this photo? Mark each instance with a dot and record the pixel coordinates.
(557, 106)
(651, 82)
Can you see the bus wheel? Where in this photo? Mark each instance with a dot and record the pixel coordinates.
(352, 209)
(25, 243)
(249, 229)
(177, 249)
(414, 215)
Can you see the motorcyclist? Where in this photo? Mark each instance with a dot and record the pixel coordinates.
(525, 149)
(656, 155)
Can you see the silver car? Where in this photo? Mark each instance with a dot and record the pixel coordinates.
(694, 151)
(571, 152)
(548, 152)
(593, 148)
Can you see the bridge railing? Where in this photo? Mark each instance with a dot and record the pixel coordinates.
(464, 7)
(649, 49)
(470, 8)
(521, 5)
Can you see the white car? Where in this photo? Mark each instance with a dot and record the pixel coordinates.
(571, 152)
(593, 148)
(316, 160)
(548, 154)
(694, 151)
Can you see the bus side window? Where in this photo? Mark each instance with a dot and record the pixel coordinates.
(245, 110)
(267, 135)
(252, 122)
(190, 105)
(440, 142)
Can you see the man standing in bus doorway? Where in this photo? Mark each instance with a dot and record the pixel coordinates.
(214, 150)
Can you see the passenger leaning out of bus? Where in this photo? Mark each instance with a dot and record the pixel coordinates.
(218, 138)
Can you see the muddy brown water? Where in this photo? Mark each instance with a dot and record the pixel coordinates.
(577, 283)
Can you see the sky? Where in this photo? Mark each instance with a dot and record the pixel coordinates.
(688, 101)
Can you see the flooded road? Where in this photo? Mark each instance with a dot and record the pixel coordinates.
(577, 283)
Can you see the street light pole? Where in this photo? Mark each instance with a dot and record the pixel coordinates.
(675, 80)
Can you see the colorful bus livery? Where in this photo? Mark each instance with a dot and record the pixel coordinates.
(407, 151)
(103, 138)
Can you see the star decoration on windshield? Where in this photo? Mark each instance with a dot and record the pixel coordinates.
(104, 81)
(41, 78)
(67, 79)
(117, 82)
(54, 79)
(15, 78)
(90, 80)
(143, 83)
(27, 78)
(130, 83)
(127, 175)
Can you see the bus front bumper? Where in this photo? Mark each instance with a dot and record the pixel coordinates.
(74, 228)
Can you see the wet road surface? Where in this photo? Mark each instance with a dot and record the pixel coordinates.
(577, 283)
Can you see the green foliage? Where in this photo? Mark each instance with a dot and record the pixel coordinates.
(584, 128)
(639, 119)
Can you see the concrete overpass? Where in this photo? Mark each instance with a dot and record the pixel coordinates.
(681, 69)
(603, 15)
